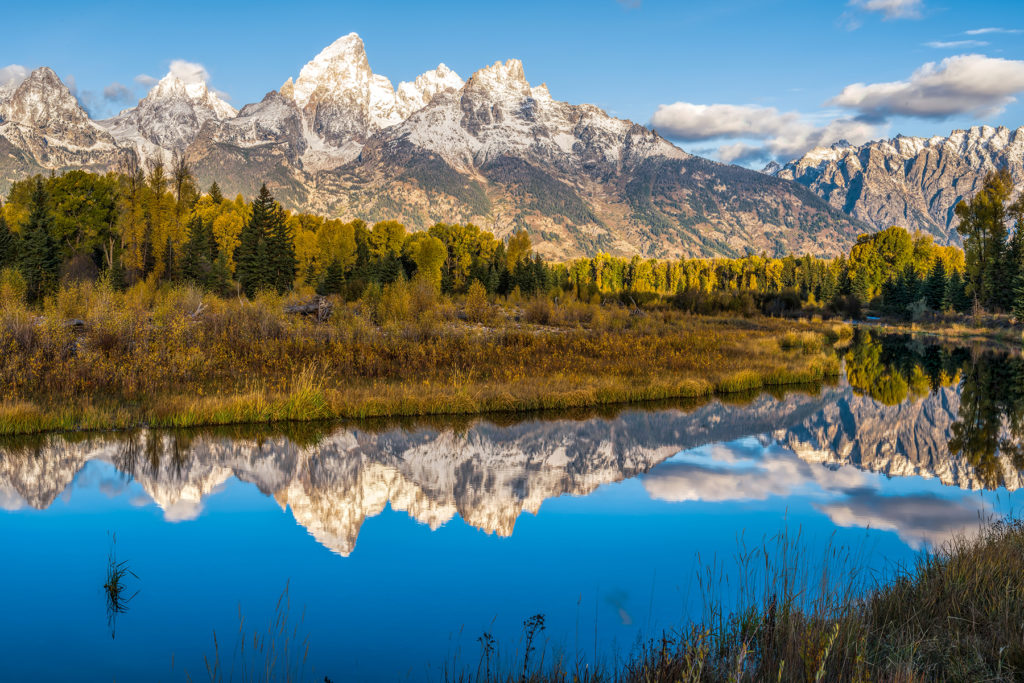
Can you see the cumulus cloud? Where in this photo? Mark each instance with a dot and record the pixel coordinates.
(891, 9)
(189, 72)
(946, 44)
(781, 134)
(848, 496)
(146, 80)
(12, 75)
(964, 84)
(918, 519)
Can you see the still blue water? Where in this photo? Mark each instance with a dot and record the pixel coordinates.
(400, 546)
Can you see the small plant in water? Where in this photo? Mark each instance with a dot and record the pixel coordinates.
(115, 588)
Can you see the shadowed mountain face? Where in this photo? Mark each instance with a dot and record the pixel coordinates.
(494, 150)
(907, 181)
(489, 475)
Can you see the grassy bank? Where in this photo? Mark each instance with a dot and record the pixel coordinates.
(954, 616)
(95, 358)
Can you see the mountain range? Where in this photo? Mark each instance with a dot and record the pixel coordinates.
(342, 141)
(490, 474)
(908, 181)
(494, 149)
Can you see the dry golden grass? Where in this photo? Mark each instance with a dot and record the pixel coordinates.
(177, 357)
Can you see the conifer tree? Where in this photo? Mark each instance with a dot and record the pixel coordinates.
(215, 193)
(39, 260)
(333, 279)
(935, 287)
(281, 262)
(8, 243)
(956, 293)
(265, 256)
(197, 256)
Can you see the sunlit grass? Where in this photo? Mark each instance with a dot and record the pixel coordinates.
(147, 358)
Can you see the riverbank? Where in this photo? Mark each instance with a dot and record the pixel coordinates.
(953, 616)
(174, 357)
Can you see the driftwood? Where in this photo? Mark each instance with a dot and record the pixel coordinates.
(318, 306)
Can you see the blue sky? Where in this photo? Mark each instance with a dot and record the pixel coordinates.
(782, 67)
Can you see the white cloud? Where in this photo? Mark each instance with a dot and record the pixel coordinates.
(12, 75)
(985, 31)
(146, 80)
(964, 84)
(946, 44)
(189, 72)
(891, 9)
(783, 134)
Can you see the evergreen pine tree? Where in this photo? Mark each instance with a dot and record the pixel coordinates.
(219, 280)
(8, 243)
(333, 279)
(251, 267)
(935, 287)
(196, 258)
(956, 293)
(1018, 298)
(215, 193)
(282, 264)
(39, 259)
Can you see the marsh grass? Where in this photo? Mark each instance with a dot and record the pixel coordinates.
(277, 653)
(115, 587)
(785, 615)
(175, 357)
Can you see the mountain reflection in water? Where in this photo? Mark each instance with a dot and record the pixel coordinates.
(905, 409)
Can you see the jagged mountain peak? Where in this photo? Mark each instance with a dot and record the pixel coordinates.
(197, 92)
(910, 181)
(42, 101)
(339, 67)
(501, 77)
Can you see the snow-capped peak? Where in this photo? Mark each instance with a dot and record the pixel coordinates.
(340, 66)
(507, 77)
(412, 96)
(43, 101)
(170, 86)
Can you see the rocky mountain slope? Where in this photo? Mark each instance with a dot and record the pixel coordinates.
(489, 475)
(495, 150)
(907, 181)
(43, 127)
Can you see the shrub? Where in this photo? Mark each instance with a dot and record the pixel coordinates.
(12, 288)
(477, 308)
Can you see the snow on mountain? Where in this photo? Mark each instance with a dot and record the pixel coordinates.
(344, 102)
(910, 181)
(168, 118)
(43, 119)
(497, 113)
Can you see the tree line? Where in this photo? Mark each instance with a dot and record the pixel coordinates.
(158, 225)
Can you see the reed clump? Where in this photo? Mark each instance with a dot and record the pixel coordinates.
(95, 357)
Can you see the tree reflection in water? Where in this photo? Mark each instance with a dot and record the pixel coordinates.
(990, 421)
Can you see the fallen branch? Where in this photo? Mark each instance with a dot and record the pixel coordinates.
(318, 306)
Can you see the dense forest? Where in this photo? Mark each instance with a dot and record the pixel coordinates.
(158, 226)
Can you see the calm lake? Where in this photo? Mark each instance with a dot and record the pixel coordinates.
(401, 544)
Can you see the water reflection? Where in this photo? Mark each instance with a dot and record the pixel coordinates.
(907, 409)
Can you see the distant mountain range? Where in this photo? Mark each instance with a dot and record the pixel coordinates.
(913, 182)
(490, 474)
(341, 140)
(495, 150)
